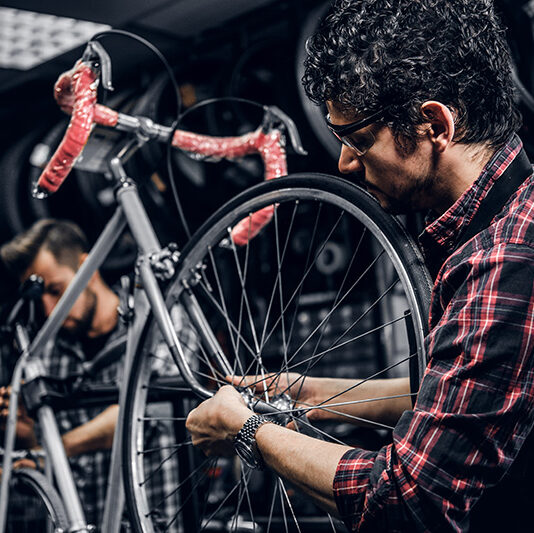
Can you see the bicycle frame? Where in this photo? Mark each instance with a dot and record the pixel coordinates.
(130, 212)
(76, 94)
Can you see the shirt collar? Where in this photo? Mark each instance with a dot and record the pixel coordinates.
(445, 230)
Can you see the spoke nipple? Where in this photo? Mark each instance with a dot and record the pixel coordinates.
(226, 243)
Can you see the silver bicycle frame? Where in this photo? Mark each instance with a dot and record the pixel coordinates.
(30, 365)
(130, 212)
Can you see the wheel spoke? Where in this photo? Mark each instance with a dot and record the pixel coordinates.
(298, 289)
(318, 292)
(223, 301)
(336, 299)
(236, 330)
(243, 493)
(338, 303)
(278, 281)
(170, 447)
(306, 266)
(317, 357)
(244, 297)
(290, 506)
(191, 493)
(163, 418)
(312, 360)
(271, 510)
(220, 506)
(158, 468)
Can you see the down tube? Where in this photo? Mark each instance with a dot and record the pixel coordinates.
(144, 235)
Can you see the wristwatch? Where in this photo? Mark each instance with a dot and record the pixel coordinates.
(245, 441)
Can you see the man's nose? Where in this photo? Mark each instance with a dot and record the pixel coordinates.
(349, 161)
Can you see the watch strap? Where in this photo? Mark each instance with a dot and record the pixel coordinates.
(247, 434)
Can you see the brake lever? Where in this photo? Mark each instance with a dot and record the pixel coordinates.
(274, 114)
(30, 291)
(96, 55)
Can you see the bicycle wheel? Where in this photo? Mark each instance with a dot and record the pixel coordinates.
(333, 286)
(34, 504)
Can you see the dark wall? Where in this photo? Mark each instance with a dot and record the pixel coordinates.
(216, 49)
(235, 48)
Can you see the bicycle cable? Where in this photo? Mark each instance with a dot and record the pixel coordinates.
(153, 49)
(216, 100)
(194, 107)
(175, 122)
(179, 114)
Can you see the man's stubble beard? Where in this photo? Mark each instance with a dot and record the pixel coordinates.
(84, 324)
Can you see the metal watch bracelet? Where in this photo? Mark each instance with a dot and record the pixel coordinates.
(245, 441)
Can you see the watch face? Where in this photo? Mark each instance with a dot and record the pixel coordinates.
(246, 454)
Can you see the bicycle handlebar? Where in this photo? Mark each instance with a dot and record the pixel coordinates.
(75, 92)
(268, 145)
(78, 87)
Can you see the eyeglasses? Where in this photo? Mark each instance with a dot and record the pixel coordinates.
(363, 141)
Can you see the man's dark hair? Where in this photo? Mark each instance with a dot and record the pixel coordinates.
(368, 54)
(64, 239)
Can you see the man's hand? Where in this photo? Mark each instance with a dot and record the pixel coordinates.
(348, 400)
(308, 463)
(215, 422)
(304, 390)
(25, 424)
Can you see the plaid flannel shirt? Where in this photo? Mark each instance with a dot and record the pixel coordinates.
(90, 470)
(475, 407)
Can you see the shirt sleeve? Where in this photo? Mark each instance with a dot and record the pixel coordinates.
(474, 408)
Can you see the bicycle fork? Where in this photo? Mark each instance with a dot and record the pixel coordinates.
(150, 249)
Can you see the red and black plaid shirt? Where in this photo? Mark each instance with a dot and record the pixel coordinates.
(475, 407)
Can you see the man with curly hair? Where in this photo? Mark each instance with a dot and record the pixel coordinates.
(420, 94)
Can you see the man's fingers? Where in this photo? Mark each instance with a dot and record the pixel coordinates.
(247, 381)
(25, 463)
(259, 382)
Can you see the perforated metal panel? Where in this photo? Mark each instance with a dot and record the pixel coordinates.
(28, 39)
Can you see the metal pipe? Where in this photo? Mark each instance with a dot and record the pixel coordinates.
(62, 471)
(111, 521)
(11, 424)
(145, 236)
(166, 326)
(135, 214)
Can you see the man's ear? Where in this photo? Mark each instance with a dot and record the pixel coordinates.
(82, 258)
(94, 277)
(440, 124)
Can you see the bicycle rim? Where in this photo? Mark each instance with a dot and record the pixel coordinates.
(332, 287)
(34, 504)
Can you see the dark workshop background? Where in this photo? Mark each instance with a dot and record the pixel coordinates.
(244, 48)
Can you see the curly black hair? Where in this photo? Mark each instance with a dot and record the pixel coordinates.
(367, 54)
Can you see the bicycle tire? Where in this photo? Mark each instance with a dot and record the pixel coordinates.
(33, 502)
(17, 207)
(307, 193)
